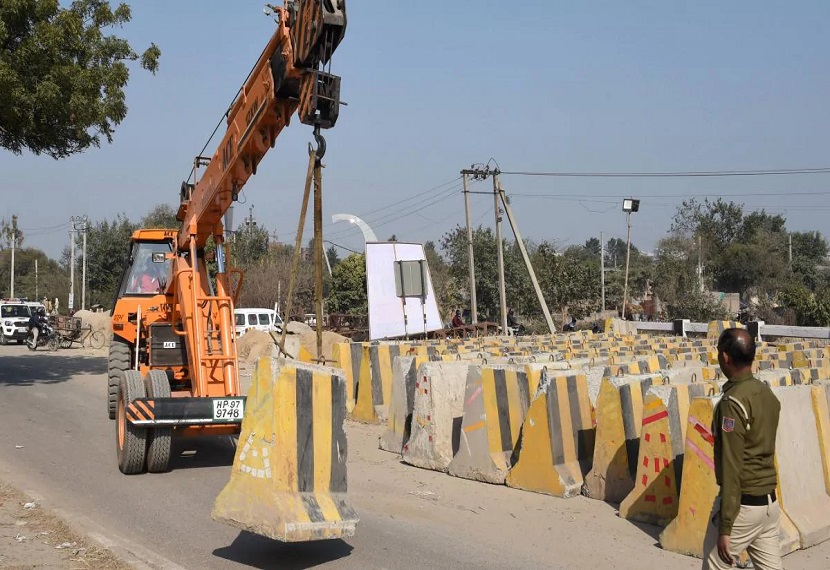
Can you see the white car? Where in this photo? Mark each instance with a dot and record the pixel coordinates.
(14, 320)
(265, 320)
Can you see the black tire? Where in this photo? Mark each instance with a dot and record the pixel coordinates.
(66, 342)
(53, 343)
(4, 340)
(130, 440)
(158, 439)
(120, 358)
(20, 341)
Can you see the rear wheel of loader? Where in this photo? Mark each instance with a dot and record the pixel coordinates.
(119, 362)
(130, 440)
(158, 439)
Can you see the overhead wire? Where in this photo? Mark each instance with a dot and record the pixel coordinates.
(677, 174)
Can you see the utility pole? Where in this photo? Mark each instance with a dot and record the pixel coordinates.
(14, 245)
(83, 277)
(629, 205)
(700, 262)
(71, 303)
(470, 258)
(627, 258)
(500, 250)
(602, 266)
(37, 293)
(791, 251)
(521, 244)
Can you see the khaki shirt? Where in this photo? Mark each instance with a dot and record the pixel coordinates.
(745, 423)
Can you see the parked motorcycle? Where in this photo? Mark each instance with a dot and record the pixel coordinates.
(48, 338)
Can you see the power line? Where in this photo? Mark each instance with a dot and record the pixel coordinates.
(572, 196)
(680, 174)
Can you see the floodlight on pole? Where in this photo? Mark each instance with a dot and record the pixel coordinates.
(629, 205)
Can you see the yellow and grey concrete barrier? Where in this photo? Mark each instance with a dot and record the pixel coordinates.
(288, 480)
(557, 439)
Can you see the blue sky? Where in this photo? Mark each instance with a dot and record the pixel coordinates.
(434, 86)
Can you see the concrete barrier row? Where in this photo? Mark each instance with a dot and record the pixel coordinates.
(802, 462)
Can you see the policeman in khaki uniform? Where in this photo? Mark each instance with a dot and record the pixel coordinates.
(746, 419)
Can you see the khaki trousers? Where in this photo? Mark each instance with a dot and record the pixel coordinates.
(755, 530)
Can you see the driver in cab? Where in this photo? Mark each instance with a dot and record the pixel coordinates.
(147, 278)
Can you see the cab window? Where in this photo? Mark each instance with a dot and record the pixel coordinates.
(252, 319)
(240, 320)
(148, 277)
(264, 320)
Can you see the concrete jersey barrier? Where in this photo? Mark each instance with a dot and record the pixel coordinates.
(495, 402)
(288, 480)
(438, 407)
(557, 439)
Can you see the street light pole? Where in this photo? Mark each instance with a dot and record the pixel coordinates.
(627, 259)
(629, 205)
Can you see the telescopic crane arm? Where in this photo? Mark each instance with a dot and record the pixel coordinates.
(286, 78)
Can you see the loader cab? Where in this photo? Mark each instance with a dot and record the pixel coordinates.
(148, 269)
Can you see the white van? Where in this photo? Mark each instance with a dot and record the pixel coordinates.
(265, 320)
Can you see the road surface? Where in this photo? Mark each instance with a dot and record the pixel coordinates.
(54, 406)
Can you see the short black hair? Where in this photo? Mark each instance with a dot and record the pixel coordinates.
(739, 345)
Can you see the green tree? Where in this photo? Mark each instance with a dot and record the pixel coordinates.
(454, 247)
(333, 257)
(348, 287)
(161, 217)
(107, 249)
(809, 256)
(62, 77)
(35, 275)
(10, 233)
(249, 244)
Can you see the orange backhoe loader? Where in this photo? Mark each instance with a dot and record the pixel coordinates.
(173, 368)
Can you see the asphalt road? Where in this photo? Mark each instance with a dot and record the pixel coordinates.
(53, 405)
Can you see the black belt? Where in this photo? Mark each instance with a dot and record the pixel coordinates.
(758, 500)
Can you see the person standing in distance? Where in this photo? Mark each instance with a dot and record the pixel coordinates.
(746, 512)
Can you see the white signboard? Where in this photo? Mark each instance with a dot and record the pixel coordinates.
(391, 316)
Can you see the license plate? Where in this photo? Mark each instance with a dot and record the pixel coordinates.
(228, 409)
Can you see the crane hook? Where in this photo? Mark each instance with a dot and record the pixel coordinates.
(321, 144)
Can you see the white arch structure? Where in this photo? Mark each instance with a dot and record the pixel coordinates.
(368, 234)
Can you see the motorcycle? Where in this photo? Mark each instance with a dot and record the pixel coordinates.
(47, 337)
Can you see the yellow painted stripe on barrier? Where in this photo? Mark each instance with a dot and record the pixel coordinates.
(654, 497)
(491, 411)
(820, 396)
(322, 419)
(686, 533)
(682, 394)
(285, 418)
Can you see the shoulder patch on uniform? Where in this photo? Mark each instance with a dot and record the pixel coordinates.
(728, 424)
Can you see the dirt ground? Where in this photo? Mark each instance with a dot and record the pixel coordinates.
(31, 537)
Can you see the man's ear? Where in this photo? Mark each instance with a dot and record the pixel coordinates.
(726, 359)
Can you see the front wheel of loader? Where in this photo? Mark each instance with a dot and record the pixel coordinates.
(158, 439)
(120, 358)
(130, 440)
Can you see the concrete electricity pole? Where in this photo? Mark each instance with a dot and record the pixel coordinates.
(14, 245)
(83, 277)
(520, 242)
(470, 258)
(71, 303)
(500, 250)
(602, 267)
